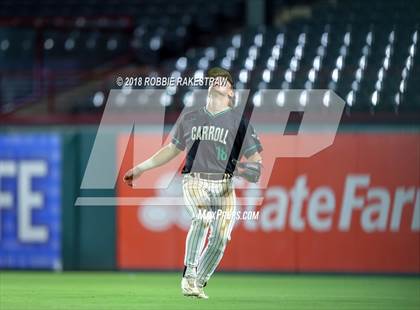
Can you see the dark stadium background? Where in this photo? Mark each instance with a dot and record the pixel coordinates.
(59, 60)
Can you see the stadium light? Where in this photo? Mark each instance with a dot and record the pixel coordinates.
(280, 98)
(312, 75)
(239, 85)
(365, 50)
(302, 39)
(404, 73)
(386, 63)
(256, 98)
(359, 74)
(203, 63)
(369, 38)
(326, 98)
(266, 76)
(165, 99)
(374, 98)
(155, 43)
(415, 37)
(231, 53)
(236, 41)
(276, 51)
(347, 38)
(171, 89)
(335, 75)
(339, 62)
(409, 62)
(48, 44)
(343, 50)
(199, 74)
(188, 99)
(226, 62)
(412, 50)
(362, 62)
(249, 64)
(253, 52)
(303, 98)
(397, 98)
(402, 86)
(324, 39)
(143, 98)
(320, 51)
(388, 50)
(69, 44)
(280, 39)
(175, 74)
(294, 64)
(126, 90)
(355, 85)
(288, 76)
(350, 98)
(285, 85)
(181, 63)
(381, 74)
(210, 53)
(243, 76)
(271, 63)
(299, 51)
(391, 37)
(120, 99)
(4, 45)
(112, 44)
(308, 85)
(258, 39)
(98, 99)
(317, 63)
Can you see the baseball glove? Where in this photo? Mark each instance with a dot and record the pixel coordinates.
(250, 171)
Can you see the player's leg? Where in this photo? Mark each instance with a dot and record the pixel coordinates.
(220, 232)
(197, 201)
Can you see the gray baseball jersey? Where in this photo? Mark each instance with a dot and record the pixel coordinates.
(214, 141)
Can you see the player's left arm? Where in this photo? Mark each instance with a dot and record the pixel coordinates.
(256, 157)
(250, 168)
(252, 146)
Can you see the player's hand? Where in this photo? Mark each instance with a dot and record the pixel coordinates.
(131, 175)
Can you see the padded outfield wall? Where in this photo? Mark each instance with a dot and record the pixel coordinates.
(353, 207)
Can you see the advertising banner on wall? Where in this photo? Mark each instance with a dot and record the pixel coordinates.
(30, 201)
(353, 207)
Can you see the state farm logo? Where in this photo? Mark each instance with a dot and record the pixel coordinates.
(303, 207)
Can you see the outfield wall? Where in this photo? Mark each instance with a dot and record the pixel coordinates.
(354, 207)
(73, 238)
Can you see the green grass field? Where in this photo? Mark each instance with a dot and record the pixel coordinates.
(26, 290)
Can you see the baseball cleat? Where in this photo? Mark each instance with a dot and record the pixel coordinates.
(188, 287)
(201, 293)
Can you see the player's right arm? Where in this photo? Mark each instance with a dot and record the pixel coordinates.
(161, 157)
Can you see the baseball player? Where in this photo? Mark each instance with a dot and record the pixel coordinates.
(215, 137)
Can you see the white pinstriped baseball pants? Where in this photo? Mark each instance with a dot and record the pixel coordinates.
(208, 196)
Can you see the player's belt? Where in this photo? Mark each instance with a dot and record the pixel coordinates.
(211, 176)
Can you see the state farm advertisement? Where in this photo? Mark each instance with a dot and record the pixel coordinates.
(353, 207)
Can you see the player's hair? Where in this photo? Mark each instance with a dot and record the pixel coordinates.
(220, 72)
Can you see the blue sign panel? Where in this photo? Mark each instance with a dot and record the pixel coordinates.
(30, 201)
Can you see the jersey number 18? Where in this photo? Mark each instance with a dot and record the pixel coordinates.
(221, 153)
